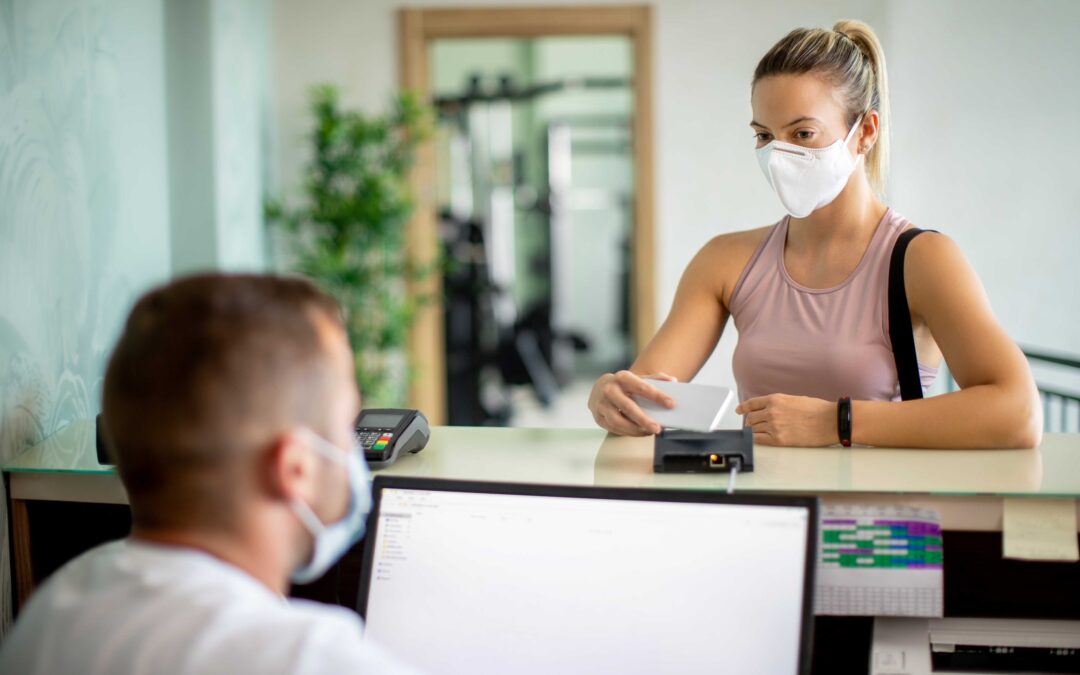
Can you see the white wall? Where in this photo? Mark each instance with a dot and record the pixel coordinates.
(984, 92)
(218, 98)
(986, 99)
(84, 222)
(240, 32)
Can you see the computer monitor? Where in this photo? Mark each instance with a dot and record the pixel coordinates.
(473, 578)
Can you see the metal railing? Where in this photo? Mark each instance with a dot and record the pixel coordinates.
(1060, 406)
(1055, 399)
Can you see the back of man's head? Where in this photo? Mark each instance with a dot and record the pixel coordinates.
(209, 370)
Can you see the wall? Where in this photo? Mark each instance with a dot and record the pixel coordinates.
(84, 222)
(985, 151)
(243, 142)
(89, 119)
(219, 113)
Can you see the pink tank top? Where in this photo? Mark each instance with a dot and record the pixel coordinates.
(825, 343)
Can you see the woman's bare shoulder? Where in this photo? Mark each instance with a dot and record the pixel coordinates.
(737, 241)
(724, 257)
(733, 249)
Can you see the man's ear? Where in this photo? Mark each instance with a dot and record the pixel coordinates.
(290, 468)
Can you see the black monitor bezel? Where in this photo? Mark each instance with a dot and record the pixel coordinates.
(811, 503)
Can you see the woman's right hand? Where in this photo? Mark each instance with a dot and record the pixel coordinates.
(614, 410)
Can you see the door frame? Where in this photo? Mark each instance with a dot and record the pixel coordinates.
(417, 29)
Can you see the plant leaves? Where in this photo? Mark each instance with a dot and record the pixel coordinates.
(349, 235)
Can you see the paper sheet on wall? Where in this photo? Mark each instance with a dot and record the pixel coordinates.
(879, 561)
(1040, 529)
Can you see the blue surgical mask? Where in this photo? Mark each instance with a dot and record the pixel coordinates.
(334, 539)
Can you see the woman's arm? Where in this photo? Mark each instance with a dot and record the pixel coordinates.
(692, 329)
(685, 340)
(997, 405)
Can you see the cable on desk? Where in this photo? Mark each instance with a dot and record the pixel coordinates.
(736, 464)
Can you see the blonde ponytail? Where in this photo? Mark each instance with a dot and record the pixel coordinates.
(851, 56)
(877, 160)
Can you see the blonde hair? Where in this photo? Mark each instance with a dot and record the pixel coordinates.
(850, 56)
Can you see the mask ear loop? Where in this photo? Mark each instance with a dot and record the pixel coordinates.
(307, 517)
(851, 133)
(324, 447)
(329, 451)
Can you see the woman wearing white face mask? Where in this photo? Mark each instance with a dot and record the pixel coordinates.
(815, 361)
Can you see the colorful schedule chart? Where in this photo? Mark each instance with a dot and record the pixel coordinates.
(879, 561)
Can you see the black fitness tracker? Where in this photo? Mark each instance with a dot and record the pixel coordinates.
(843, 421)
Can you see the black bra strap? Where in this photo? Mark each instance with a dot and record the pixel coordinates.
(900, 330)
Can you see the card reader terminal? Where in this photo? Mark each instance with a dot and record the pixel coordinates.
(677, 451)
(386, 433)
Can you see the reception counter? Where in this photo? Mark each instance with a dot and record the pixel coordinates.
(967, 487)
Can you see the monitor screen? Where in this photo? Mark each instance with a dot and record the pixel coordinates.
(477, 582)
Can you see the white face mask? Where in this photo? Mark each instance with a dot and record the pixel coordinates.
(806, 179)
(333, 540)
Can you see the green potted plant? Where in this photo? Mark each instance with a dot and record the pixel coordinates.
(348, 235)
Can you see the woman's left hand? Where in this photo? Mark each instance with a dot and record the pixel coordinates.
(779, 419)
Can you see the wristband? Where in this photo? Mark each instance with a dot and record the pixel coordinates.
(843, 421)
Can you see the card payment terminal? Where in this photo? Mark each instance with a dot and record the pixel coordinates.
(386, 433)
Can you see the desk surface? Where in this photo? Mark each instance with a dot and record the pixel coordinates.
(590, 457)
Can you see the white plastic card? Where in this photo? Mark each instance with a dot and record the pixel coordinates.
(698, 407)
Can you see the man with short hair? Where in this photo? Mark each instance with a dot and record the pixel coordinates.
(228, 407)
